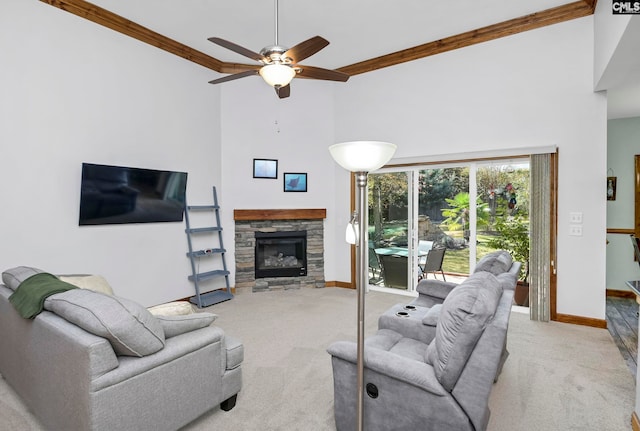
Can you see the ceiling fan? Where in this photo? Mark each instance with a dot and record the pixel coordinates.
(280, 64)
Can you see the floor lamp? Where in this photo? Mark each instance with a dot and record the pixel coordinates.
(361, 157)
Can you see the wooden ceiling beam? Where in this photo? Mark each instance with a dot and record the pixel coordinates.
(555, 15)
(122, 25)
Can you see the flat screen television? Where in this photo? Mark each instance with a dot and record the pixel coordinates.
(117, 194)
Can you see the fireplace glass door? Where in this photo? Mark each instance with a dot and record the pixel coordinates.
(281, 254)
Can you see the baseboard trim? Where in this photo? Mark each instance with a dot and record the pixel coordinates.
(635, 422)
(579, 320)
(615, 293)
(339, 284)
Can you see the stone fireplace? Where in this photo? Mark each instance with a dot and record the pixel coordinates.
(268, 248)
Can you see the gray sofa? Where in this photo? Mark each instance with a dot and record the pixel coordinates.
(433, 292)
(437, 382)
(72, 379)
(418, 318)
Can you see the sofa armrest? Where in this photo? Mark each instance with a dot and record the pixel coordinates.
(234, 352)
(389, 364)
(435, 288)
(515, 270)
(48, 355)
(174, 349)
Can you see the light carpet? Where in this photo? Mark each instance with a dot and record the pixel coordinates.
(557, 377)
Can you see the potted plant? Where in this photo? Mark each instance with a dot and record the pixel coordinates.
(513, 236)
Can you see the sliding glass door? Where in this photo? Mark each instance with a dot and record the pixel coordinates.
(444, 218)
(391, 230)
(422, 223)
(504, 197)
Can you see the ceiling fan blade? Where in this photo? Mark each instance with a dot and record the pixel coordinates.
(284, 92)
(237, 48)
(306, 49)
(234, 76)
(311, 72)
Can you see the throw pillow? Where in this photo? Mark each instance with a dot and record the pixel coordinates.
(14, 276)
(97, 283)
(175, 308)
(179, 324)
(129, 327)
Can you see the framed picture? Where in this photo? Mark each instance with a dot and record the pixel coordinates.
(295, 182)
(265, 168)
(611, 188)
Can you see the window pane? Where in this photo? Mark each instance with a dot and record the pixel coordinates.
(388, 229)
(443, 214)
(503, 213)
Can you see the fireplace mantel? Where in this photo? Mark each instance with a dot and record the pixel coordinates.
(281, 214)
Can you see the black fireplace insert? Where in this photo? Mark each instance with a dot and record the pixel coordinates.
(281, 254)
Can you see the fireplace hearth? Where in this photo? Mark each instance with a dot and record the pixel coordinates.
(281, 254)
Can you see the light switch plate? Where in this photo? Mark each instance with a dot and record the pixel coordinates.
(575, 230)
(575, 217)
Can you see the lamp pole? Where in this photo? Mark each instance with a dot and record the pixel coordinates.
(361, 279)
(361, 157)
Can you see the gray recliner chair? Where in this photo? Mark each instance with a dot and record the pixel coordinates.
(443, 385)
(432, 292)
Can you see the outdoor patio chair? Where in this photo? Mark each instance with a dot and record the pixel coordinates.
(374, 265)
(433, 262)
(394, 270)
(423, 249)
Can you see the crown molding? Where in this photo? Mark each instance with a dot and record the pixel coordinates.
(532, 21)
(98, 15)
(101, 16)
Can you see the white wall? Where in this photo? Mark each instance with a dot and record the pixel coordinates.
(297, 132)
(531, 89)
(78, 92)
(74, 92)
(623, 144)
(609, 29)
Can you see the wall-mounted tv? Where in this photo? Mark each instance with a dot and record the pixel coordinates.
(116, 194)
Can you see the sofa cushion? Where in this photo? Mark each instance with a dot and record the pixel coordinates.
(129, 327)
(463, 317)
(97, 283)
(175, 308)
(14, 276)
(495, 262)
(179, 324)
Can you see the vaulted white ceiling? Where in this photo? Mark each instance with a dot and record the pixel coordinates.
(357, 30)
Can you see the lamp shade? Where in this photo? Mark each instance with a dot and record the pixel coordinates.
(362, 156)
(277, 75)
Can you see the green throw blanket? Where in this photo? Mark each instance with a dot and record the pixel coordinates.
(29, 297)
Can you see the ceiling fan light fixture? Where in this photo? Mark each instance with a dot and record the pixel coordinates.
(277, 74)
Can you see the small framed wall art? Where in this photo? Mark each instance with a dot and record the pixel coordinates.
(265, 168)
(295, 182)
(611, 188)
